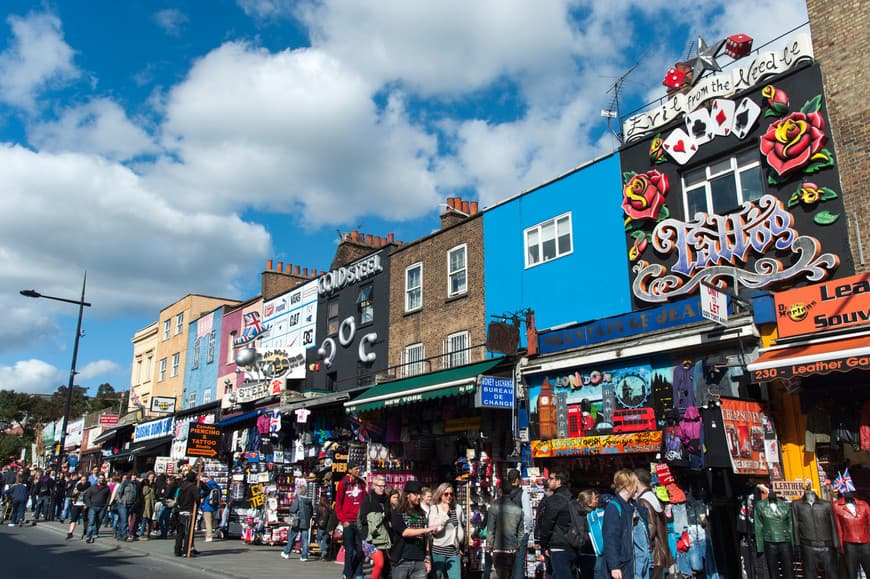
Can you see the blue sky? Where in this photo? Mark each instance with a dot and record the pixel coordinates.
(173, 147)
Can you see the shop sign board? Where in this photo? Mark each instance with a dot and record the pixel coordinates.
(203, 440)
(636, 442)
(746, 426)
(163, 404)
(107, 420)
(259, 390)
(494, 392)
(164, 465)
(788, 488)
(831, 305)
(664, 317)
(154, 429)
(714, 304)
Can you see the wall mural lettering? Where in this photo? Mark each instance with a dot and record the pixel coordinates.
(718, 85)
(716, 248)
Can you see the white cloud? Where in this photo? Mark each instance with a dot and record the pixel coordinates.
(70, 212)
(267, 9)
(171, 20)
(296, 130)
(94, 370)
(37, 58)
(99, 127)
(32, 376)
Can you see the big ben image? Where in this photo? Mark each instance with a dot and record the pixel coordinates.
(547, 411)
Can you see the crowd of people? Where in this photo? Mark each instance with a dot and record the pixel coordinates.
(410, 533)
(137, 507)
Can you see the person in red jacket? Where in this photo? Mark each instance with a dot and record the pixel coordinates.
(349, 496)
(852, 516)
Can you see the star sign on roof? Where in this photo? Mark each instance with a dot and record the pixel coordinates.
(706, 59)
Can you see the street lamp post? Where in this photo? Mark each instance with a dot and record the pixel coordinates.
(72, 371)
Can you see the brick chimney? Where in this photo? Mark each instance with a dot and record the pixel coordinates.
(457, 210)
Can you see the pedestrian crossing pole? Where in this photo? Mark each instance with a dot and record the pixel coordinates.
(193, 514)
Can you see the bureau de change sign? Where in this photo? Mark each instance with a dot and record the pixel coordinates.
(495, 392)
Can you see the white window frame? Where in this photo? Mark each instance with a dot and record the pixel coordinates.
(366, 307)
(537, 232)
(211, 347)
(176, 365)
(332, 321)
(194, 364)
(463, 271)
(179, 323)
(412, 359)
(148, 365)
(737, 170)
(206, 395)
(138, 371)
(191, 400)
(416, 290)
(457, 356)
(162, 375)
(167, 324)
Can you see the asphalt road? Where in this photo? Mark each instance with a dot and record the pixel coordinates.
(43, 551)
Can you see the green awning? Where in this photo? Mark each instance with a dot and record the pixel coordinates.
(441, 384)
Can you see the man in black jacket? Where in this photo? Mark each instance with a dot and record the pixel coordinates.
(188, 498)
(96, 499)
(555, 525)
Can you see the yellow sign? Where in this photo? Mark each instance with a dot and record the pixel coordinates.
(629, 443)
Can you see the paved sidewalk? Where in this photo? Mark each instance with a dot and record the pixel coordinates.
(230, 558)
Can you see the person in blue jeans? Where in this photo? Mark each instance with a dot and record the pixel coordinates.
(303, 510)
(555, 524)
(96, 499)
(17, 493)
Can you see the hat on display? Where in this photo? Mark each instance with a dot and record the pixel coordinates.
(413, 486)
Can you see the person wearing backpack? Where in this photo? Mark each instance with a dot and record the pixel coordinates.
(618, 530)
(210, 506)
(563, 528)
(302, 509)
(656, 524)
(592, 554)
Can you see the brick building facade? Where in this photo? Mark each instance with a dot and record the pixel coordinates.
(437, 313)
(841, 44)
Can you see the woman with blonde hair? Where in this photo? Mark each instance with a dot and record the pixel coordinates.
(619, 517)
(448, 540)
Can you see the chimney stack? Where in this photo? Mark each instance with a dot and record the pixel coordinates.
(391, 237)
(268, 265)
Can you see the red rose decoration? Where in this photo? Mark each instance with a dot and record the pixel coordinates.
(790, 143)
(644, 195)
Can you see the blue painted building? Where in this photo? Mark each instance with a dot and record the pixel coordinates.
(203, 359)
(560, 248)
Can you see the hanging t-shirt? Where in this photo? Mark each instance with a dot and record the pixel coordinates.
(298, 451)
(302, 415)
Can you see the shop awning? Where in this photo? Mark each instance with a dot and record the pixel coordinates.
(143, 448)
(315, 401)
(813, 357)
(234, 418)
(441, 384)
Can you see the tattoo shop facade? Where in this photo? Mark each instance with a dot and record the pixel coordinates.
(732, 182)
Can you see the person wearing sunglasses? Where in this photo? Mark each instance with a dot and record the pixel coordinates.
(448, 541)
(373, 530)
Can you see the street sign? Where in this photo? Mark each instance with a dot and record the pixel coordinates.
(495, 392)
(108, 420)
(788, 488)
(203, 440)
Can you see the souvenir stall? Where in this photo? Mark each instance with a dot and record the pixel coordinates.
(447, 440)
(664, 414)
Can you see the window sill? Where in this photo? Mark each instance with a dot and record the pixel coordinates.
(407, 313)
(456, 297)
